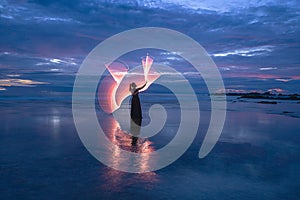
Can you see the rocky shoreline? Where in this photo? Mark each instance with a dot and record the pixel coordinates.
(266, 97)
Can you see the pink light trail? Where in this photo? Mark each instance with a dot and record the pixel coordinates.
(115, 88)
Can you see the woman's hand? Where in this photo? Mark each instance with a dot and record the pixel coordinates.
(142, 86)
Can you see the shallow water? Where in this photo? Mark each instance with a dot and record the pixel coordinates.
(257, 156)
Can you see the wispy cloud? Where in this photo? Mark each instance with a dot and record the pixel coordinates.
(6, 53)
(172, 56)
(31, 13)
(295, 77)
(13, 75)
(49, 61)
(41, 60)
(232, 90)
(276, 90)
(168, 53)
(6, 16)
(267, 68)
(19, 82)
(276, 77)
(52, 19)
(197, 6)
(283, 79)
(233, 67)
(247, 52)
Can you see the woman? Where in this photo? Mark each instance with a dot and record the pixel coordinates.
(136, 111)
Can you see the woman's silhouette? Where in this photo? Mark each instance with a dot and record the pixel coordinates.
(135, 112)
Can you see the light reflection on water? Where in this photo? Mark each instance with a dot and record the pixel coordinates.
(114, 180)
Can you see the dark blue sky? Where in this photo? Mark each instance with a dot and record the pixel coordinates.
(255, 44)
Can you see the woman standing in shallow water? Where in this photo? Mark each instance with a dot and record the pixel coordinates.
(136, 111)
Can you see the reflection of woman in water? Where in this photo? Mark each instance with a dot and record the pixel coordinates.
(136, 112)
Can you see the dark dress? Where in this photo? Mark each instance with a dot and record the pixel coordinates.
(136, 115)
(136, 111)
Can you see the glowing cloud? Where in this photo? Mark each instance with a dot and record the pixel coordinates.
(19, 82)
(283, 79)
(267, 68)
(276, 90)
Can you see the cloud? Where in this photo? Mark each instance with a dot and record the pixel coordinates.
(247, 52)
(172, 56)
(40, 61)
(224, 68)
(283, 79)
(231, 90)
(295, 77)
(233, 68)
(267, 68)
(197, 6)
(276, 90)
(51, 61)
(262, 77)
(171, 53)
(6, 16)
(19, 82)
(41, 19)
(69, 61)
(25, 12)
(253, 75)
(13, 75)
(6, 53)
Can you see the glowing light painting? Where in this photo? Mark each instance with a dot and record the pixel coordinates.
(147, 62)
(114, 89)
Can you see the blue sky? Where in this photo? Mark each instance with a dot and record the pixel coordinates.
(255, 44)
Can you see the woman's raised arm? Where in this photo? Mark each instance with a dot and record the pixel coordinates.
(137, 89)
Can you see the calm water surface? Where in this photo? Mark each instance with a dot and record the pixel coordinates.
(257, 156)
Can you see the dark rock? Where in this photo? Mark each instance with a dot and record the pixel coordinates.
(268, 102)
